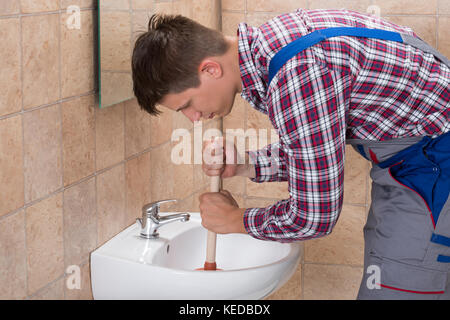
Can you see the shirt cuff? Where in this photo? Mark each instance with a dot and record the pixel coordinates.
(253, 220)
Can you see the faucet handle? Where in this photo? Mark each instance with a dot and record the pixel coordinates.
(152, 209)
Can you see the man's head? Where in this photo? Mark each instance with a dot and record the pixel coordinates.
(181, 64)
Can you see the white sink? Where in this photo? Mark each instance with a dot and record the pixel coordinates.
(130, 267)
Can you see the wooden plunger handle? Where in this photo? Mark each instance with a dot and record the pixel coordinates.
(210, 263)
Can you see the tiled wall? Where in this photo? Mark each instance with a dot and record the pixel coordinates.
(331, 267)
(73, 175)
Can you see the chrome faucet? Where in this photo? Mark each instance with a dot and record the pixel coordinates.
(151, 220)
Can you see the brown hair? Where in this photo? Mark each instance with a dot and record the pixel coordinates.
(166, 57)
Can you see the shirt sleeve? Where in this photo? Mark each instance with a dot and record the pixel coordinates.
(310, 100)
(270, 163)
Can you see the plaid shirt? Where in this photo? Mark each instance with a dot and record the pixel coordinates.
(342, 88)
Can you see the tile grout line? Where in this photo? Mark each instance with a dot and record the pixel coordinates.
(41, 13)
(82, 180)
(45, 105)
(437, 25)
(95, 177)
(23, 150)
(61, 143)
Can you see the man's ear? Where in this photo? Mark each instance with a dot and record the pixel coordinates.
(211, 68)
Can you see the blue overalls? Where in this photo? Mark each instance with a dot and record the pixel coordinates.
(407, 233)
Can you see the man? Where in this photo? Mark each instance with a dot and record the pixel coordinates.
(383, 97)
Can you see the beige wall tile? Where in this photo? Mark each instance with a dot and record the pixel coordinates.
(55, 291)
(230, 22)
(11, 165)
(292, 290)
(406, 6)
(203, 12)
(183, 205)
(444, 40)
(236, 185)
(356, 5)
(109, 131)
(115, 45)
(137, 128)
(142, 4)
(425, 27)
(13, 272)
(9, 7)
(355, 177)
(162, 178)
(78, 126)
(259, 202)
(236, 118)
(277, 190)
(80, 222)
(164, 7)
(77, 56)
(85, 290)
(115, 4)
(80, 3)
(10, 76)
(200, 179)
(444, 7)
(161, 127)
(275, 6)
(182, 184)
(40, 59)
(345, 244)
(139, 24)
(255, 19)
(31, 6)
(331, 282)
(45, 250)
(196, 201)
(233, 5)
(137, 175)
(257, 120)
(179, 120)
(42, 147)
(115, 88)
(111, 209)
(184, 7)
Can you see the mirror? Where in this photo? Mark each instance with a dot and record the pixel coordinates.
(120, 23)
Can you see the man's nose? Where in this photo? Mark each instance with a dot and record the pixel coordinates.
(192, 114)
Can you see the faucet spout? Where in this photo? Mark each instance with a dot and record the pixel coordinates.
(174, 217)
(151, 220)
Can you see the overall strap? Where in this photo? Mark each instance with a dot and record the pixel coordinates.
(296, 46)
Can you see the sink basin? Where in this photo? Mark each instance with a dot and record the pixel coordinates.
(130, 267)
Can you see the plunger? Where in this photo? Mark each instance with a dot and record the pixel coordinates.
(210, 262)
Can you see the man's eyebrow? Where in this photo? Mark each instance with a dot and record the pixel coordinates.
(184, 106)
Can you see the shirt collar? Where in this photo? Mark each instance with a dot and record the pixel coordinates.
(253, 72)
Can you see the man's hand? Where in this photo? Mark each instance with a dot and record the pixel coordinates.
(230, 163)
(220, 213)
